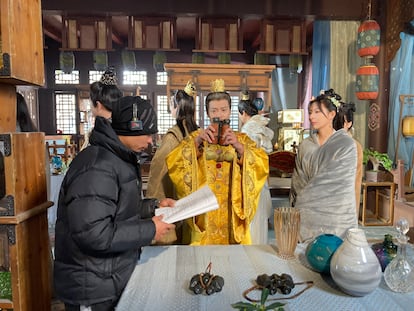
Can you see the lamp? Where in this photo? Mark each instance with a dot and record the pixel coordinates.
(295, 63)
(67, 61)
(100, 60)
(368, 43)
(367, 81)
(128, 60)
(158, 61)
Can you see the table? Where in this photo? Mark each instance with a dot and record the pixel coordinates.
(383, 211)
(160, 281)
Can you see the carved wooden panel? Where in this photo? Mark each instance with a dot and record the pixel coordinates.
(152, 33)
(87, 33)
(219, 34)
(283, 37)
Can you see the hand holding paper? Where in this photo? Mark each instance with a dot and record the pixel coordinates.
(199, 202)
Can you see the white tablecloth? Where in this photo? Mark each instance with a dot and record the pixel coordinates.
(160, 281)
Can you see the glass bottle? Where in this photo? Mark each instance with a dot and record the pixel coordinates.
(399, 274)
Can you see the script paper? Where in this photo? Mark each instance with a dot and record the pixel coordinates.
(199, 202)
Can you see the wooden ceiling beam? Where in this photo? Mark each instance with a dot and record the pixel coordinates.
(321, 9)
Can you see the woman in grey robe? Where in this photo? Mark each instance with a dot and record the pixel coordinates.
(323, 182)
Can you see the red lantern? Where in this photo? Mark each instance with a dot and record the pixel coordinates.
(368, 38)
(367, 81)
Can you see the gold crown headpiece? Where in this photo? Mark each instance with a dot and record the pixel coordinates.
(190, 89)
(217, 85)
(244, 96)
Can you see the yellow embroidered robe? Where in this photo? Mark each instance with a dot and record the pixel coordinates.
(236, 183)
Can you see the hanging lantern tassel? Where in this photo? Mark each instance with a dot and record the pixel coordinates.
(368, 42)
(367, 81)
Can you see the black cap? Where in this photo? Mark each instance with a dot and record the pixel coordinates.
(134, 116)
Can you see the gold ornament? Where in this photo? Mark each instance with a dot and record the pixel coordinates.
(217, 85)
(190, 89)
(244, 96)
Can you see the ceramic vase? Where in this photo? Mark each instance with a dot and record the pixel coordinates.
(354, 266)
(319, 251)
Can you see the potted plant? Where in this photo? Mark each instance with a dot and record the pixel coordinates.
(381, 164)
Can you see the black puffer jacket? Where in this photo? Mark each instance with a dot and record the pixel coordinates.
(102, 221)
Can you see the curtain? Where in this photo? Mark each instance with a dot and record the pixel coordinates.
(401, 83)
(307, 92)
(320, 56)
(284, 85)
(344, 62)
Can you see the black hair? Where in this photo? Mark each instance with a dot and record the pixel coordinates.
(246, 105)
(185, 111)
(329, 99)
(105, 91)
(345, 113)
(23, 118)
(217, 96)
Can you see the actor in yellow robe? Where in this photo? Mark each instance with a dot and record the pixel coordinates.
(235, 170)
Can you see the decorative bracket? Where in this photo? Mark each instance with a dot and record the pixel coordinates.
(11, 233)
(5, 70)
(7, 206)
(5, 144)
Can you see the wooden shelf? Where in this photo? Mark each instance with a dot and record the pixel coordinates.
(280, 53)
(220, 51)
(85, 50)
(153, 49)
(23, 222)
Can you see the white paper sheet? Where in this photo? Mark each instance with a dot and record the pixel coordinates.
(199, 202)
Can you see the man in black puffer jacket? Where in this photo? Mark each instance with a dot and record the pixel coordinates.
(102, 220)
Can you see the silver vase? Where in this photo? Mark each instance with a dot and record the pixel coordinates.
(354, 266)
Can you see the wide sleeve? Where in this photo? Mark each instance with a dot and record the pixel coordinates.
(252, 174)
(159, 183)
(185, 168)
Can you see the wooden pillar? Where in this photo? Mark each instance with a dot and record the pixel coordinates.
(391, 15)
(24, 238)
(378, 109)
(7, 108)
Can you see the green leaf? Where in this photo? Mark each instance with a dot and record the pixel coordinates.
(244, 306)
(265, 294)
(276, 306)
(382, 158)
